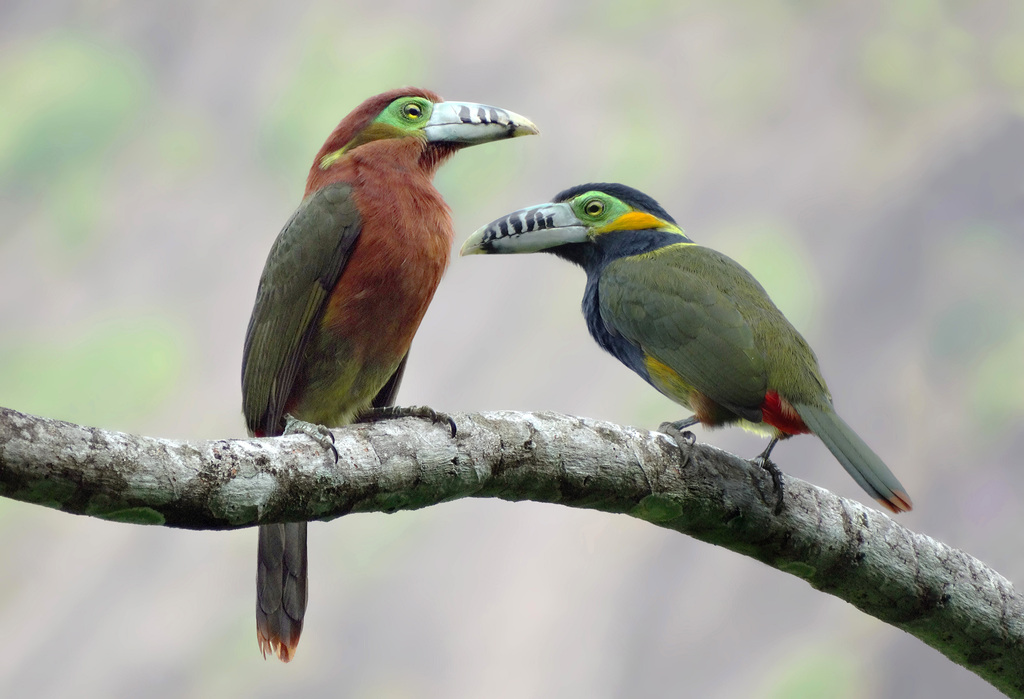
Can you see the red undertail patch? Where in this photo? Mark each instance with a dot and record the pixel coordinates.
(778, 413)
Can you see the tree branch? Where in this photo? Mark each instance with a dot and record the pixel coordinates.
(945, 597)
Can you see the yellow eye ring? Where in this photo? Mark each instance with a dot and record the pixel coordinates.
(412, 111)
(594, 207)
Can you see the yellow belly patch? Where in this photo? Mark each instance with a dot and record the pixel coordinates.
(668, 381)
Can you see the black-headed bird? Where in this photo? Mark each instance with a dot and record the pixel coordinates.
(690, 321)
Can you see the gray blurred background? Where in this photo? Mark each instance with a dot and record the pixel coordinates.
(864, 159)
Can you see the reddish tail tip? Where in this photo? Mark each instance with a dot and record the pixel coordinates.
(899, 502)
(284, 651)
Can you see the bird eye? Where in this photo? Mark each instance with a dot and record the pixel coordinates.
(594, 207)
(412, 111)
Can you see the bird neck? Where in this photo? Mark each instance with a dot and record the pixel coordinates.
(593, 256)
(435, 155)
(410, 157)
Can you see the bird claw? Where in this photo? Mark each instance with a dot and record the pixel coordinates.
(680, 434)
(777, 482)
(684, 440)
(318, 433)
(392, 412)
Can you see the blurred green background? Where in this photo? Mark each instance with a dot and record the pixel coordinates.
(864, 159)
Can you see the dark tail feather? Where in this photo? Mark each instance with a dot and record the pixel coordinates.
(867, 469)
(281, 584)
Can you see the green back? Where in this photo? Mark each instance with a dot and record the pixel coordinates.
(703, 315)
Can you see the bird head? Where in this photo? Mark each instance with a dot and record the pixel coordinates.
(412, 113)
(596, 215)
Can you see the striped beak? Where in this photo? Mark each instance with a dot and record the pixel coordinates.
(528, 230)
(467, 124)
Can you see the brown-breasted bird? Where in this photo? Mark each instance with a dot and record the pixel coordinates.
(343, 291)
(691, 321)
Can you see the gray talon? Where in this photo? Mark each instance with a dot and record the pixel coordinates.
(321, 434)
(777, 482)
(393, 412)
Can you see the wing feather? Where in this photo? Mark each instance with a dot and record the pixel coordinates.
(304, 264)
(672, 303)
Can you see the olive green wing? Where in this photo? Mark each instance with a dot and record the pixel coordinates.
(386, 396)
(672, 304)
(303, 266)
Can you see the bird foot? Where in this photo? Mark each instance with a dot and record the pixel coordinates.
(318, 433)
(684, 439)
(392, 412)
(681, 435)
(680, 425)
(776, 474)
